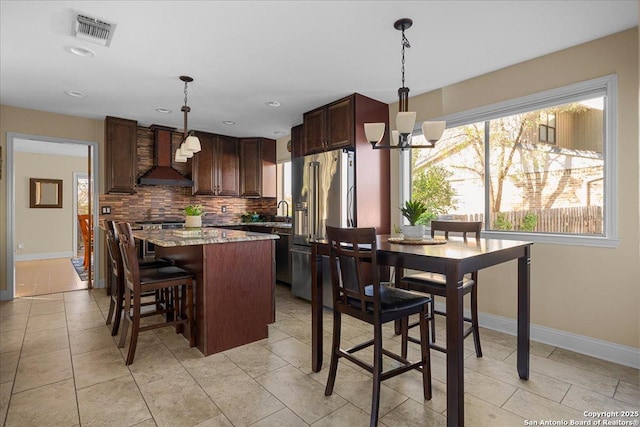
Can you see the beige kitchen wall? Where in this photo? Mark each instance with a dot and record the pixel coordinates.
(32, 122)
(44, 231)
(589, 291)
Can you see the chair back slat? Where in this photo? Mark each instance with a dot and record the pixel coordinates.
(128, 252)
(354, 266)
(113, 248)
(464, 227)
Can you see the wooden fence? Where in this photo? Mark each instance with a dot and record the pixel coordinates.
(576, 220)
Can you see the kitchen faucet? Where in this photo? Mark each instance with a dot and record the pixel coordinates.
(286, 214)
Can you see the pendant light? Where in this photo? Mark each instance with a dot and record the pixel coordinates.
(405, 120)
(190, 143)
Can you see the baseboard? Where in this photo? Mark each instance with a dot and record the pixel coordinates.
(605, 350)
(50, 255)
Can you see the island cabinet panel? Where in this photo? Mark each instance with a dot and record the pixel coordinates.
(121, 155)
(234, 304)
(215, 169)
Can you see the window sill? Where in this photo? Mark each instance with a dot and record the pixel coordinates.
(559, 239)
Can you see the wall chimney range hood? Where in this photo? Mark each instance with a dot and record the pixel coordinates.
(162, 173)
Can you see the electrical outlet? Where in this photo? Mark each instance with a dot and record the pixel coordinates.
(106, 210)
(224, 209)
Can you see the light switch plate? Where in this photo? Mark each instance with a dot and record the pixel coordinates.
(106, 210)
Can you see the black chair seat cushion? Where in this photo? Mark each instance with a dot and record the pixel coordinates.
(162, 274)
(393, 299)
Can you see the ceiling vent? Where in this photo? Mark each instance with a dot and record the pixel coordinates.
(93, 30)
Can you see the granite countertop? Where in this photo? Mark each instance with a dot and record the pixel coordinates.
(203, 236)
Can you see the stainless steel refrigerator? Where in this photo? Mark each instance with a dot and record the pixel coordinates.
(323, 187)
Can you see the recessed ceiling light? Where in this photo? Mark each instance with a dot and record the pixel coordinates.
(272, 104)
(75, 93)
(277, 132)
(163, 110)
(229, 122)
(80, 51)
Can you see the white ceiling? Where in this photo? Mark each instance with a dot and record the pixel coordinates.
(300, 53)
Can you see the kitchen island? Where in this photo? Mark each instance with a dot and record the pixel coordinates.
(235, 281)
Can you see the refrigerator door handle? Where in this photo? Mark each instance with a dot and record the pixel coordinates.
(314, 199)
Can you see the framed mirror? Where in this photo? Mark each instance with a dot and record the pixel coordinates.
(45, 193)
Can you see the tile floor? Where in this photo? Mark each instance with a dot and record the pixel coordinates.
(59, 366)
(46, 276)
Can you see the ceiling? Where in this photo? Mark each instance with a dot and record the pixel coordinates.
(243, 54)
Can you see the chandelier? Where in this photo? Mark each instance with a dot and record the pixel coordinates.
(190, 143)
(405, 120)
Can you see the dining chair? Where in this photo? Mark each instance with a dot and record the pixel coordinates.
(115, 278)
(87, 240)
(178, 309)
(435, 284)
(358, 292)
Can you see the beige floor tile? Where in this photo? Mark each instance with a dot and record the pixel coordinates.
(47, 322)
(78, 321)
(587, 400)
(300, 393)
(205, 370)
(14, 322)
(40, 299)
(86, 340)
(255, 359)
(599, 366)
(294, 328)
(154, 363)
(487, 388)
(537, 383)
(347, 415)
(8, 366)
(49, 405)
(5, 396)
(98, 366)
(293, 351)
(117, 403)
(480, 413)
(411, 386)
(629, 393)
(284, 417)
(11, 340)
(14, 307)
(170, 339)
(413, 414)
(48, 307)
(178, 401)
(233, 390)
(572, 374)
(42, 342)
(219, 421)
(533, 407)
(36, 371)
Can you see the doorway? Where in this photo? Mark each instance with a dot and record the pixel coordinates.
(31, 233)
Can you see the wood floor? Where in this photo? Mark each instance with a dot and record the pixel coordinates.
(46, 276)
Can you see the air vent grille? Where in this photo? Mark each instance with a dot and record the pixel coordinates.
(94, 30)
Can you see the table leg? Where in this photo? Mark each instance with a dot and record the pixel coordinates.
(316, 309)
(524, 324)
(455, 347)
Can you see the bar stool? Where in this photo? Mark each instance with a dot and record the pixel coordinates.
(174, 281)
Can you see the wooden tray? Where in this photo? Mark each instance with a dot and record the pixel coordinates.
(429, 241)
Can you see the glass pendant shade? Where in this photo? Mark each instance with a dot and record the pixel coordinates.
(179, 158)
(374, 132)
(184, 152)
(191, 144)
(432, 131)
(405, 121)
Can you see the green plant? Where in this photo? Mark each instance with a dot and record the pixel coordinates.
(194, 210)
(502, 223)
(529, 222)
(413, 210)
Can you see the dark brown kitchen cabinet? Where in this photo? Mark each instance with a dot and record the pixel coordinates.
(216, 169)
(297, 141)
(257, 167)
(121, 163)
(340, 123)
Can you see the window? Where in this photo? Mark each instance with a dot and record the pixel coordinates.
(537, 168)
(284, 189)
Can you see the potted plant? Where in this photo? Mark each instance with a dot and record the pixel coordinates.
(193, 216)
(413, 211)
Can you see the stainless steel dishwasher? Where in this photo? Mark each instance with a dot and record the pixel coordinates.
(283, 255)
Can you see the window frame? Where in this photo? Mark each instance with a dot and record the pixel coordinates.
(603, 86)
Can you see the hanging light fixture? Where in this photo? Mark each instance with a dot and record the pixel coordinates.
(190, 143)
(405, 120)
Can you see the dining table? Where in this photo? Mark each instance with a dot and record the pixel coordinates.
(454, 258)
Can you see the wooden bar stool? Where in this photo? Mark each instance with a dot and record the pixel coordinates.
(172, 281)
(115, 277)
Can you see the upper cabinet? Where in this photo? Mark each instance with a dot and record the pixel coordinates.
(121, 162)
(215, 169)
(339, 124)
(257, 167)
(297, 141)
